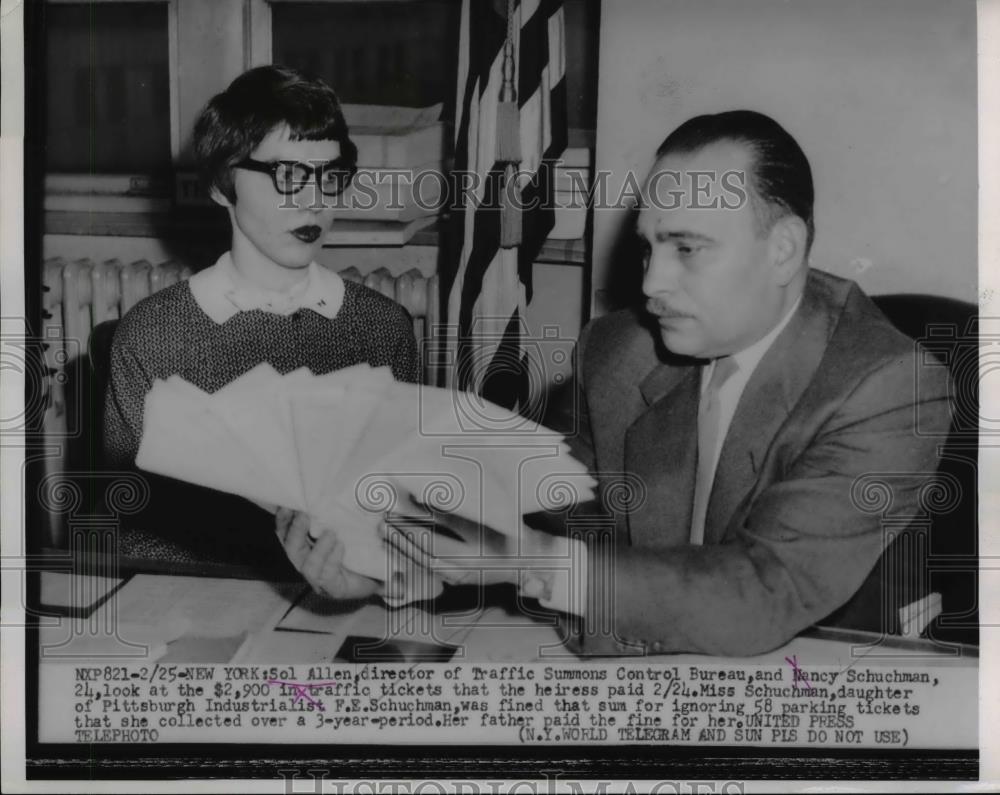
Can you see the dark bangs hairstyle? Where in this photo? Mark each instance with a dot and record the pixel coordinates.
(234, 122)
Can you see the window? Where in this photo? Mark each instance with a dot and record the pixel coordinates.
(406, 53)
(125, 79)
(373, 53)
(107, 88)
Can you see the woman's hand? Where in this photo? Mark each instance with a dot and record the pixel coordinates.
(319, 557)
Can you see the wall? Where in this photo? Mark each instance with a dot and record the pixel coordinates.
(881, 96)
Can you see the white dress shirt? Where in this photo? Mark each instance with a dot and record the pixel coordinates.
(732, 388)
(568, 588)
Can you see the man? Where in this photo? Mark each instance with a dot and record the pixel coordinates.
(745, 410)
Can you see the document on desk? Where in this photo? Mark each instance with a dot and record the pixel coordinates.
(320, 630)
(64, 591)
(208, 607)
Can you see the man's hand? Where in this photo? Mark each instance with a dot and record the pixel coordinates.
(319, 557)
(480, 555)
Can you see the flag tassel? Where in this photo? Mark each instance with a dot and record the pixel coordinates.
(508, 116)
(496, 241)
(510, 211)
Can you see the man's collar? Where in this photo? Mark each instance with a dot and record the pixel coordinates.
(748, 358)
(661, 380)
(222, 292)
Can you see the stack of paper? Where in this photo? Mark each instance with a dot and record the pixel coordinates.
(400, 185)
(350, 446)
(395, 137)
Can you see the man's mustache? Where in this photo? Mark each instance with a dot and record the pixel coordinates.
(658, 307)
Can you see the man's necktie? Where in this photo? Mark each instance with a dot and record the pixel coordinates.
(709, 411)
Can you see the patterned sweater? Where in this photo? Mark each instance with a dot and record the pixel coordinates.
(168, 333)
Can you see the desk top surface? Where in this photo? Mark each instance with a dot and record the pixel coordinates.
(217, 619)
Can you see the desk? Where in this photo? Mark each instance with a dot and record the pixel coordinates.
(272, 618)
(489, 663)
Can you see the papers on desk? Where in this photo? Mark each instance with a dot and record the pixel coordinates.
(212, 620)
(75, 639)
(151, 617)
(204, 607)
(73, 593)
(349, 446)
(498, 635)
(315, 631)
(85, 627)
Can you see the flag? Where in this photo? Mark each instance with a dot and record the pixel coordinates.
(488, 284)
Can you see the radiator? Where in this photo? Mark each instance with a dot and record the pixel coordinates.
(78, 295)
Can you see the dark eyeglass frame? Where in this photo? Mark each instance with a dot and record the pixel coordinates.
(315, 173)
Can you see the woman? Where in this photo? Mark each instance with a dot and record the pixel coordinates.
(275, 152)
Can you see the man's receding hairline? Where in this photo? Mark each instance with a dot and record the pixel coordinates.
(767, 212)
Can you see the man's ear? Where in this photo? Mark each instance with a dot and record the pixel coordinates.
(219, 197)
(788, 247)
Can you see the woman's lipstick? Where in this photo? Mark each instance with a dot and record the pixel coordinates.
(308, 234)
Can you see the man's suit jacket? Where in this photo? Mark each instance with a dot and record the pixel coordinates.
(822, 453)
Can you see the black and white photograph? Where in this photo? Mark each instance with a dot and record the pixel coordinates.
(499, 395)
